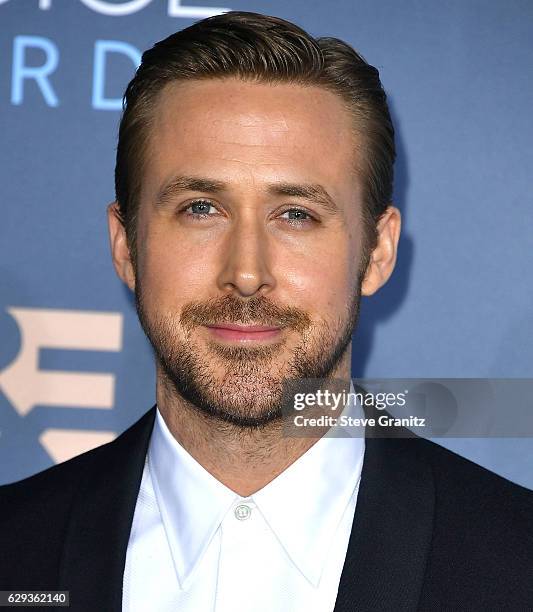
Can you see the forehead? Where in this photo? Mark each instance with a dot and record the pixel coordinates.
(243, 131)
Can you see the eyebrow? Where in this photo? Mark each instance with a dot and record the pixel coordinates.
(180, 184)
(313, 192)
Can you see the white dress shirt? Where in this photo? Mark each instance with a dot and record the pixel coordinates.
(197, 546)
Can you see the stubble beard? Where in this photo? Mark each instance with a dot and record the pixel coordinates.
(243, 386)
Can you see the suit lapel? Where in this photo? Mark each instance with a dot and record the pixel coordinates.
(391, 532)
(97, 537)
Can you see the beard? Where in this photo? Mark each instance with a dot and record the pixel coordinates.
(243, 386)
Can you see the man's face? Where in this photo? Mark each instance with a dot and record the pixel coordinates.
(249, 241)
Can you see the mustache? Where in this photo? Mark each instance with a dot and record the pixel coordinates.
(257, 310)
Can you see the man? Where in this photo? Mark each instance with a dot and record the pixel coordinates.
(253, 210)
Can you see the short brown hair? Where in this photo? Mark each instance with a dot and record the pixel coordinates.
(266, 49)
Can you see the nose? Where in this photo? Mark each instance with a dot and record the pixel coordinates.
(246, 269)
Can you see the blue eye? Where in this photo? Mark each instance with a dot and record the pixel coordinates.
(296, 215)
(200, 207)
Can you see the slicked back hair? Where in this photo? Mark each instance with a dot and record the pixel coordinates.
(265, 49)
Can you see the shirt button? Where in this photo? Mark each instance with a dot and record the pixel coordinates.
(242, 512)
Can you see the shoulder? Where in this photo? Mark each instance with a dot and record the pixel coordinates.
(35, 512)
(482, 539)
(463, 491)
(34, 516)
(51, 488)
(463, 480)
(58, 483)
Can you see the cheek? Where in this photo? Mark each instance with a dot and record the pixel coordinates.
(321, 280)
(173, 271)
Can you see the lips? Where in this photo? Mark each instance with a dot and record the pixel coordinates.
(244, 333)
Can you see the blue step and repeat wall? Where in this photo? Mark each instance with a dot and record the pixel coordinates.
(75, 368)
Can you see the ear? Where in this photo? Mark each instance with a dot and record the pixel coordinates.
(120, 252)
(383, 257)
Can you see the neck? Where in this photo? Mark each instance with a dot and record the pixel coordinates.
(244, 460)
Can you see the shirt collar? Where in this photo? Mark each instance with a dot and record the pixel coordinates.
(192, 502)
(303, 506)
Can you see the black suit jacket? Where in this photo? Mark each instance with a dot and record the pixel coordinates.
(432, 531)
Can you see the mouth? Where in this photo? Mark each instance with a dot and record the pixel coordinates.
(244, 333)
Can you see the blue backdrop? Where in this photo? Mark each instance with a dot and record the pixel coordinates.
(75, 368)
